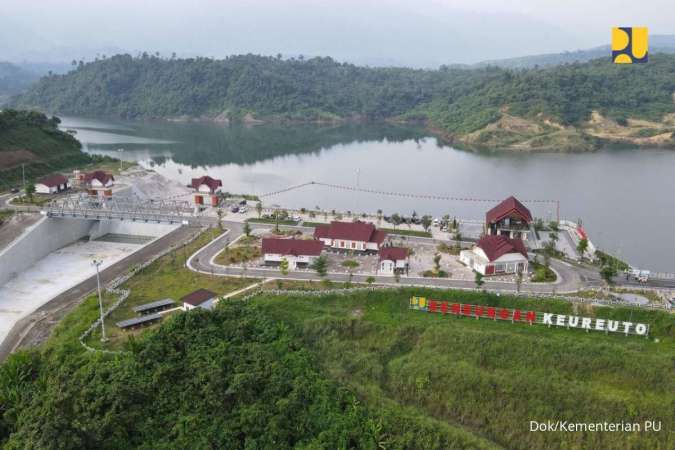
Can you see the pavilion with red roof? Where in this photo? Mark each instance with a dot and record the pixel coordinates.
(206, 190)
(496, 255)
(357, 236)
(510, 218)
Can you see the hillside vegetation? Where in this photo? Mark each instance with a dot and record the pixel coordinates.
(353, 371)
(557, 102)
(34, 140)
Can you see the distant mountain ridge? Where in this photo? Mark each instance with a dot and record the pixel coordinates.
(658, 43)
(543, 108)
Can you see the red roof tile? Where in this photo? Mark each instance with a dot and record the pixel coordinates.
(350, 231)
(99, 175)
(509, 206)
(53, 180)
(296, 247)
(212, 183)
(198, 297)
(393, 253)
(496, 246)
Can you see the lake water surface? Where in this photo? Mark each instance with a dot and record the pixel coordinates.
(625, 198)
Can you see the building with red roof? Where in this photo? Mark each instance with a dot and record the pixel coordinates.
(51, 184)
(393, 260)
(496, 255)
(99, 183)
(298, 252)
(201, 298)
(206, 190)
(357, 236)
(510, 218)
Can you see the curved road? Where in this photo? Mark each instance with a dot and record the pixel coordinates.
(569, 278)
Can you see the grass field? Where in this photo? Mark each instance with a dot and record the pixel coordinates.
(491, 378)
(165, 278)
(404, 232)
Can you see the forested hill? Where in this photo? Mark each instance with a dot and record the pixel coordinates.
(32, 140)
(522, 107)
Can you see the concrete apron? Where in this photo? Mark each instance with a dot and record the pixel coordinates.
(54, 255)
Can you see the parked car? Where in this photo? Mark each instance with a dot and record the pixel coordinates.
(14, 190)
(242, 210)
(234, 209)
(243, 202)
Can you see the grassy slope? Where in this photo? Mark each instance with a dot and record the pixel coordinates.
(491, 378)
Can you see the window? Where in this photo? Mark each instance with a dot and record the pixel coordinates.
(353, 244)
(499, 268)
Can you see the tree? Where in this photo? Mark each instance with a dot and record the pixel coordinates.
(258, 209)
(220, 213)
(458, 239)
(445, 221)
(320, 265)
(478, 279)
(519, 280)
(30, 190)
(437, 263)
(370, 280)
(582, 246)
(426, 222)
(396, 220)
(608, 272)
(283, 266)
(247, 229)
(379, 217)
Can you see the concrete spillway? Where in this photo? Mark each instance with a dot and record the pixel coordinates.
(54, 255)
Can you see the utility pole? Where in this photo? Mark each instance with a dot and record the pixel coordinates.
(23, 175)
(120, 150)
(97, 262)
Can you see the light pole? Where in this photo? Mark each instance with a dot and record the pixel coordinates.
(96, 263)
(120, 150)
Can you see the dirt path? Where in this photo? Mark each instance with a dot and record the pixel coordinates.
(37, 326)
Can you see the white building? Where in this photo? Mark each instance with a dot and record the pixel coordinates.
(358, 236)
(52, 184)
(393, 260)
(298, 252)
(496, 255)
(99, 183)
(201, 298)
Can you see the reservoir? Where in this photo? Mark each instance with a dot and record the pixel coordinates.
(624, 198)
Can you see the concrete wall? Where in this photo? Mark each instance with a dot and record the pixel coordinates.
(37, 242)
(101, 228)
(51, 234)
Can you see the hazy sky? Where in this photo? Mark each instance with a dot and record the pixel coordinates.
(410, 32)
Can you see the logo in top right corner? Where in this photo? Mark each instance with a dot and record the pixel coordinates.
(629, 45)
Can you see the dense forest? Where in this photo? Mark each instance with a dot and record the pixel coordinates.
(455, 101)
(229, 379)
(31, 139)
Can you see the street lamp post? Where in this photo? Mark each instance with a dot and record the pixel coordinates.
(120, 150)
(97, 263)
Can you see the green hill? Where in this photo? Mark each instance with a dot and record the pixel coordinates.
(31, 139)
(553, 107)
(343, 371)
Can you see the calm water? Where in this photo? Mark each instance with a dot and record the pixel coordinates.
(624, 197)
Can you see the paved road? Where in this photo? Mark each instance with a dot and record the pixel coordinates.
(201, 261)
(36, 327)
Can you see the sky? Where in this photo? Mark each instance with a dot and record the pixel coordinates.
(420, 33)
